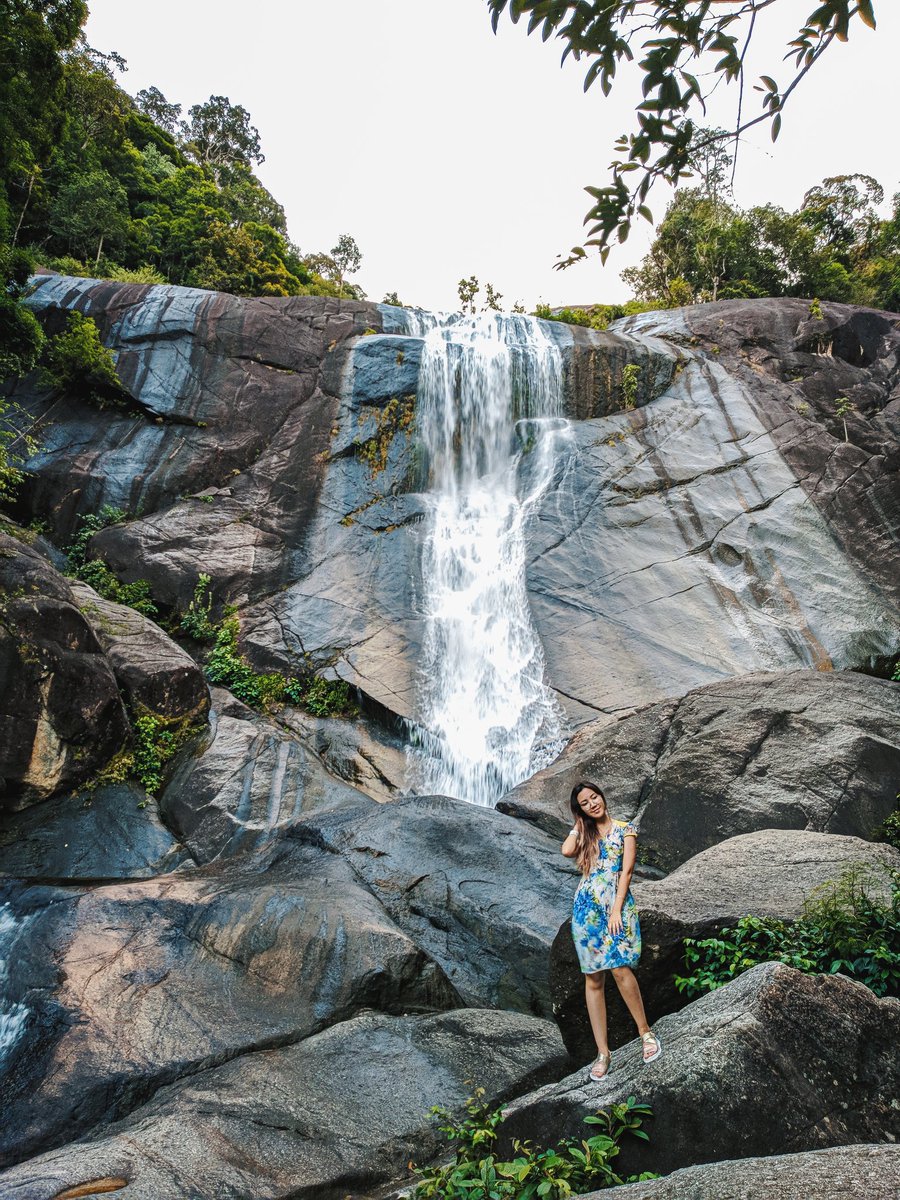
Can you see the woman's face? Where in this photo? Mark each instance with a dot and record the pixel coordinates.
(592, 803)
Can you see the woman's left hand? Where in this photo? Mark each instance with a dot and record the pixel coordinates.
(615, 922)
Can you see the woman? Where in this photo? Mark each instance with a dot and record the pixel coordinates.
(604, 917)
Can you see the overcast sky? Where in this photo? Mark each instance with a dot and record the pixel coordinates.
(447, 151)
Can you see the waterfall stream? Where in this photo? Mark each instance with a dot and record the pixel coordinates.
(489, 405)
(12, 1014)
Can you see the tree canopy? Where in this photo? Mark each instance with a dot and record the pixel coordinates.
(685, 49)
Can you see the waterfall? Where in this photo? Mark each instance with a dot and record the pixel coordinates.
(489, 423)
(12, 1014)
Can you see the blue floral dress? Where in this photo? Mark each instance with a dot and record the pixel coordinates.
(597, 948)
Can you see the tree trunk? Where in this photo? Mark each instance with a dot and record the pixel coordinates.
(31, 179)
(99, 252)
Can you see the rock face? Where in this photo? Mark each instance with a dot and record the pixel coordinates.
(856, 1172)
(64, 718)
(821, 1050)
(710, 532)
(152, 672)
(481, 893)
(296, 1122)
(795, 750)
(767, 874)
(131, 998)
(252, 778)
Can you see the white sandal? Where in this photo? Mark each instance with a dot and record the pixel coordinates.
(646, 1038)
(602, 1060)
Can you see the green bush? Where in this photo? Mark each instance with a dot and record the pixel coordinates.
(226, 665)
(76, 361)
(889, 830)
(94, 571)
(570, 1168)
(155, 740)
(845, 927)
(631, 378)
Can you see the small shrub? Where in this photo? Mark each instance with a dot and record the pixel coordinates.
(889, 830)
(845, 927)
(155, 740)
(815, 310)
(142, 274)
(76, 361)
(196, 622)
(570, 1168)
(631, 378)
(94, 571)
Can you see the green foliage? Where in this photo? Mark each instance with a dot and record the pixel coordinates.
(845, 927)
(155, 741)
(889, 830)
(570, 1168)
(397, 416)
(684, 52)
(596, 316)
(197, 622)
(94, 571)
(142, 274)
(77, 362)
(834, 247)
(631, 379)
(226, 665)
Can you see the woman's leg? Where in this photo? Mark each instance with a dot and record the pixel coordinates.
(595, 996)
(631, 994)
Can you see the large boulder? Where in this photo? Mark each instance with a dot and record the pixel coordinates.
(153, 673)
(61, 715)
(771, 873)
(132, 986)
(481, 893)
(250, 779)
(111, 832)
(339, 1112)
(867, 1172)
(775, 1062)
(791, 750)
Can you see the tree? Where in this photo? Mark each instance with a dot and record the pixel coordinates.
(492, 298)
(152, 102)
(685, 49)
(218, 134)
(468, 289)
(347, 258)
(89, 210)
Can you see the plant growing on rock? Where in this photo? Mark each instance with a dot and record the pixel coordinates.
(570, 1168)
(196, 622)
(842, 408)
(631, 378)
(846, 926)
(94, 571)
(155, 741)
(76, 361)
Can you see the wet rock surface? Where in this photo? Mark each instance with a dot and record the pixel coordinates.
(820, 1050)
(796, 750)
(857, 1172)
(250, 779)
(771, 873)
(297, 1122)
(125, 983)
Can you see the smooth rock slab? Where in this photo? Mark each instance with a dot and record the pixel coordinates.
(252, 778)
(867, 1172)
(112, 833)
(790, 749)
(768, 874)
(151, 670)
(134, 985)
(342, 1109)
(481, 893)
(775, 1062)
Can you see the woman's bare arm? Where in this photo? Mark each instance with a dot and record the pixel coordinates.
(629, 856)
(570, 846)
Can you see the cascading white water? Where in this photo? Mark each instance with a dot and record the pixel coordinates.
(12, 1014)
(489, 403)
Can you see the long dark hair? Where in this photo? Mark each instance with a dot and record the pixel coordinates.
(588, 839)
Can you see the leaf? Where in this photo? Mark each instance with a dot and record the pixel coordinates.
(776, 126)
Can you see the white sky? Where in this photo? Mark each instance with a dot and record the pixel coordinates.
(447, 151)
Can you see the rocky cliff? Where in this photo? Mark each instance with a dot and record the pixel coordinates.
(229, 949)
